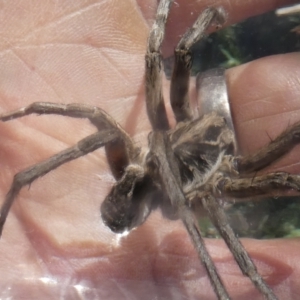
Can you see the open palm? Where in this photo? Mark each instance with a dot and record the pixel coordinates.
(54, 243)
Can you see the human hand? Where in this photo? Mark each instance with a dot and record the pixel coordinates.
(54, 243)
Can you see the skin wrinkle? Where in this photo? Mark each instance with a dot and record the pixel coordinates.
(60, 19)
(43, 148)
(102, 54)
(268, 116)
(9, 244)
(56, 24)
(112, 64)
(44, 45)
(249, 111)
(286, 167)
(36, 71)
(62, 140)
(265, 101)
(147, 12)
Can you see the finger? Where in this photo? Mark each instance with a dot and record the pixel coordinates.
(281, 274)
(165, 263)
(265, 97)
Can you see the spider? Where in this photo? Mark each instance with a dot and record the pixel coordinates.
(186, 167)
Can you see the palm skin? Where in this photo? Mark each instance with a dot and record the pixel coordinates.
(93, 52)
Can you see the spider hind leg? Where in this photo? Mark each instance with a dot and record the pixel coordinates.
(248, 268)
(119, 152)
(264, 184)
(271, 152)
(83, 147)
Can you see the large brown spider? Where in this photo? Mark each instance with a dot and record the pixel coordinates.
(186, 167)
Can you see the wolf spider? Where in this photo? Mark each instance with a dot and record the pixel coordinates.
(190, 166)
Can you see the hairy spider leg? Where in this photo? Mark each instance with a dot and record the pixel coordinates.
(179, 93)
(220, 220)
(180, 105)
(153, 69)
(120, 152)
(118, 211)
(105, 124)
(83, 147)
(159, 121)
(271, 152)
(157, 140)
(124, 154)
(169, 173)
(260, 185)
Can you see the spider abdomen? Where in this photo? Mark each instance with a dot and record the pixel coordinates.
(129, 202)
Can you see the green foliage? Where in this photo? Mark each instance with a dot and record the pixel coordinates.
(256, 37)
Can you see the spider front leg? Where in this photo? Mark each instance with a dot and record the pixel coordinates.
(119, 152)
(153, 69)
(83, 147)
(260, 185)
(183, 62)
(119, 147)
(181, 73)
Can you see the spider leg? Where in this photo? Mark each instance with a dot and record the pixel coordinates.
(219, 218)
(119, 152)
(183, 62)
(163, 158)
(154, 99)
(83, 147)
(260, 185)
(271, 152)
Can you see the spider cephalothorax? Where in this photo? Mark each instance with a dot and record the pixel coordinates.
(194, 164)
(200, 148)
